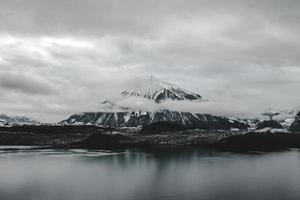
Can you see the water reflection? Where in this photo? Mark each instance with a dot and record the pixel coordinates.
(183, 174)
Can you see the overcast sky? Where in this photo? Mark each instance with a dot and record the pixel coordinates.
(59, 57)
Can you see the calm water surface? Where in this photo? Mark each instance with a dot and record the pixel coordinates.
(136, 175)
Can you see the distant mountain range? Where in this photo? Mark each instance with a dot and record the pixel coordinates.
(157, 91)
(284, 117)
(119, 112)
(16, 120)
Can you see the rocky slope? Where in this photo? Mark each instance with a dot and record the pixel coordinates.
(296, 124)
(268, 124)
(133, 119)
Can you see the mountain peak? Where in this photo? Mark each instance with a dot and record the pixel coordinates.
(159, 91)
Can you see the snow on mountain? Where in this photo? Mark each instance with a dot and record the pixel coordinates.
(159, 91)
(284, 117)
(150, 95)
(129, 110)
(134, 119)
(15, 120)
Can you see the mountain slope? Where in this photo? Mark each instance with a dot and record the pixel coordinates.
(284, 117)
(296, 124)
(16, 120)
(133, 119)
(159, 91)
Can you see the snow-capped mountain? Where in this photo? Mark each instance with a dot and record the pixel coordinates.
(16, 120)
(284, 117)
(155, 91)
(134, 119)
(158, 90)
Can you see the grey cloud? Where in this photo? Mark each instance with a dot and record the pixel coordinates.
(78, 53)
(25, 83)
(138, 17)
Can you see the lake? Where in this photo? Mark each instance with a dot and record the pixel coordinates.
(182, 174)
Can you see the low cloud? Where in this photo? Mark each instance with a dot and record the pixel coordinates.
(62, 57)
(124, 104)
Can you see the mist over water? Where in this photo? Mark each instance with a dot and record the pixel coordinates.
(182, 174)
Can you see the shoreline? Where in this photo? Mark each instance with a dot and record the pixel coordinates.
(95, 137)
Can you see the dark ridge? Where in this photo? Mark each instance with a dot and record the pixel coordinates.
(104, 141)
(296, 124)
(268, 124)
(260, 142)
(47, 134)
(52, 129)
